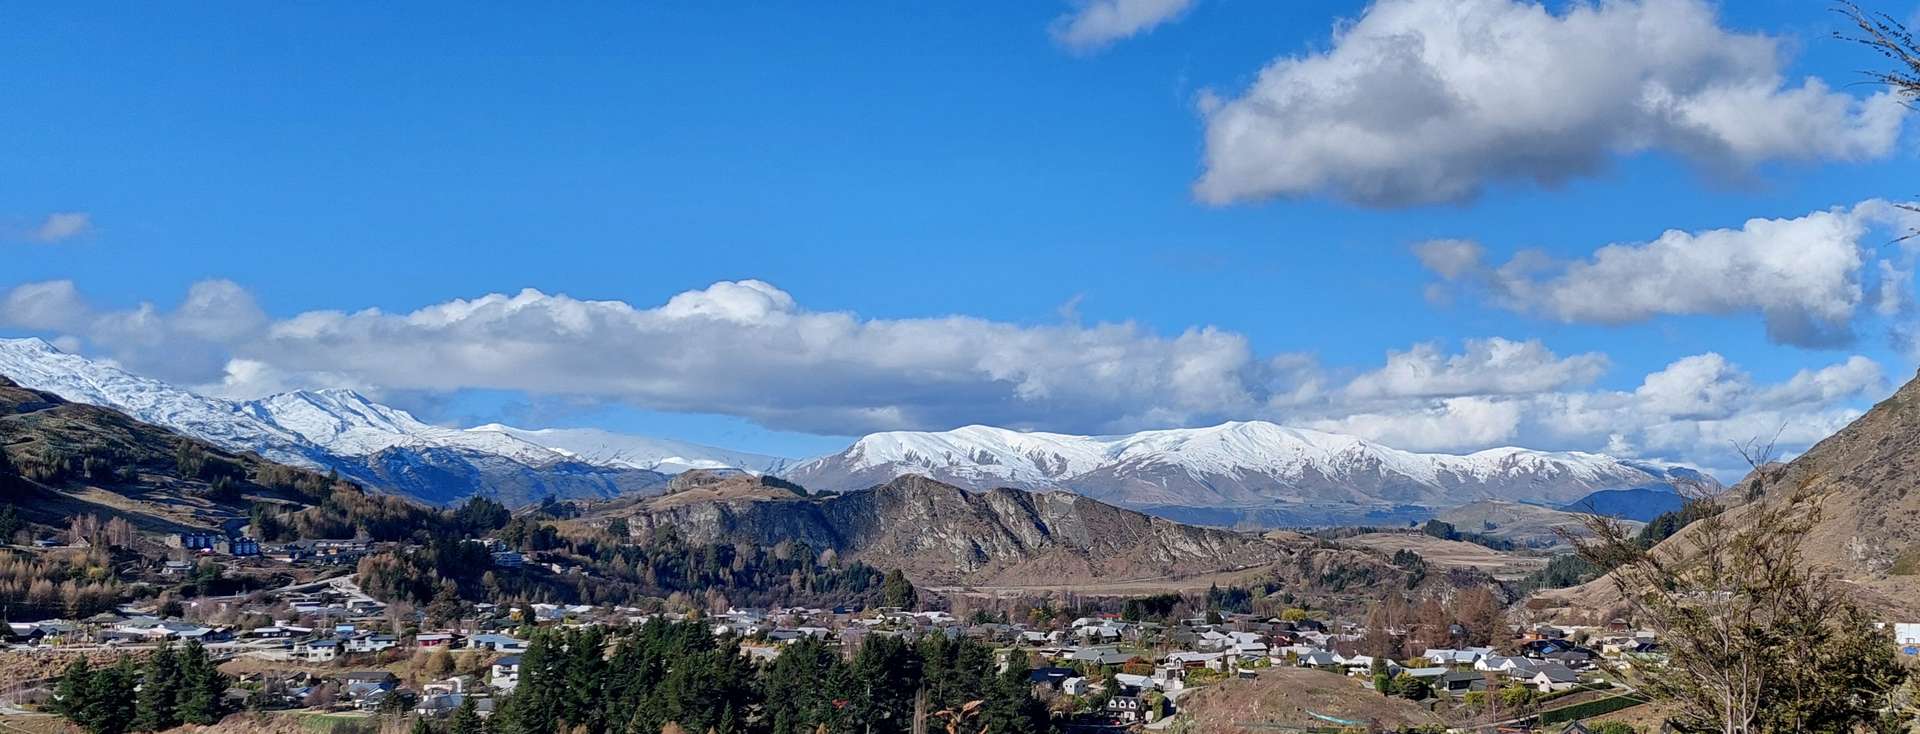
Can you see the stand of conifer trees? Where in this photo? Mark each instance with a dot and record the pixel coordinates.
(643, 679)
(172, 688)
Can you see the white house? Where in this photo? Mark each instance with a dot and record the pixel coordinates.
(365, 643)
(318, 651)
(506, 673)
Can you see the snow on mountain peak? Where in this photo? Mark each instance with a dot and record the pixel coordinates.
(1239, 463)
(607, 448)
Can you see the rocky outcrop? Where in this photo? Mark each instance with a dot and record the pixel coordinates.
(941, 533)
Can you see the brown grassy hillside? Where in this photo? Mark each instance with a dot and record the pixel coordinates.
(1865, 480)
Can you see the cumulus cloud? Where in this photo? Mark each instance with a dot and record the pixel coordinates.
(53, 305)
(1453, 422)
(187, 343)
(1485, 367)
(1807, 277)
(1430, 101)
(745, 348)
(1695, 409)
(750, 349)
(1097, 23)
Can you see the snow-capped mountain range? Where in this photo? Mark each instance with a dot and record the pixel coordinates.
(376, 444)
(1256, 471)
(1245, 466)
(667, 456)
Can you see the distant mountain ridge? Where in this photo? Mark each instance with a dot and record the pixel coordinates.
(1242, 473)
(942, 534)
(59, 454)
(376, 445)
(1256, 468)
(606, 448)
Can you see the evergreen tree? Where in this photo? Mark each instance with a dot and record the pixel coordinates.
(10, 520)
(201, 685)
(466, 719)
(897, 591)
(586, 672)
(75, 684)
(99, 701)
(797, 703)
(420, 726)
(886, 676)
(1011, 707)
(535, 705)
(158, 706)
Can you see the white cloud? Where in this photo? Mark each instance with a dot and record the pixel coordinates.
(1486, 367)
(1097, 23)
(750, 349)
(1807, 276)
(61, 226)
(1427, 101)
(188, 343)
(1450, 258)
(1700, 387)
(1695, 409)
(1447, 424)
(53, 305)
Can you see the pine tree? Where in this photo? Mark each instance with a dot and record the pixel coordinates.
(201, 685)
(113, 702)
(70, 696)
(158, 707)
(420, 726)
(586, 672)
(1011, 707)
(99, 701)
(791, 686)
(466, 719)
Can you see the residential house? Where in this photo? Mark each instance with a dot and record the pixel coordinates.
(362, 686)
(455, 684)
(1450, 656)
(438, 705)
(1051, 677)
(1127, 709)
(1317, 659)
(1101, 655)
(435, 640)
(505, 674)
(318, 651)
(1131, 684)
(1549, 677)
(366, 642)
(497, 643)
(1461, 681)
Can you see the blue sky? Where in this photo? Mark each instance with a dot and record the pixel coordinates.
(887, 161)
